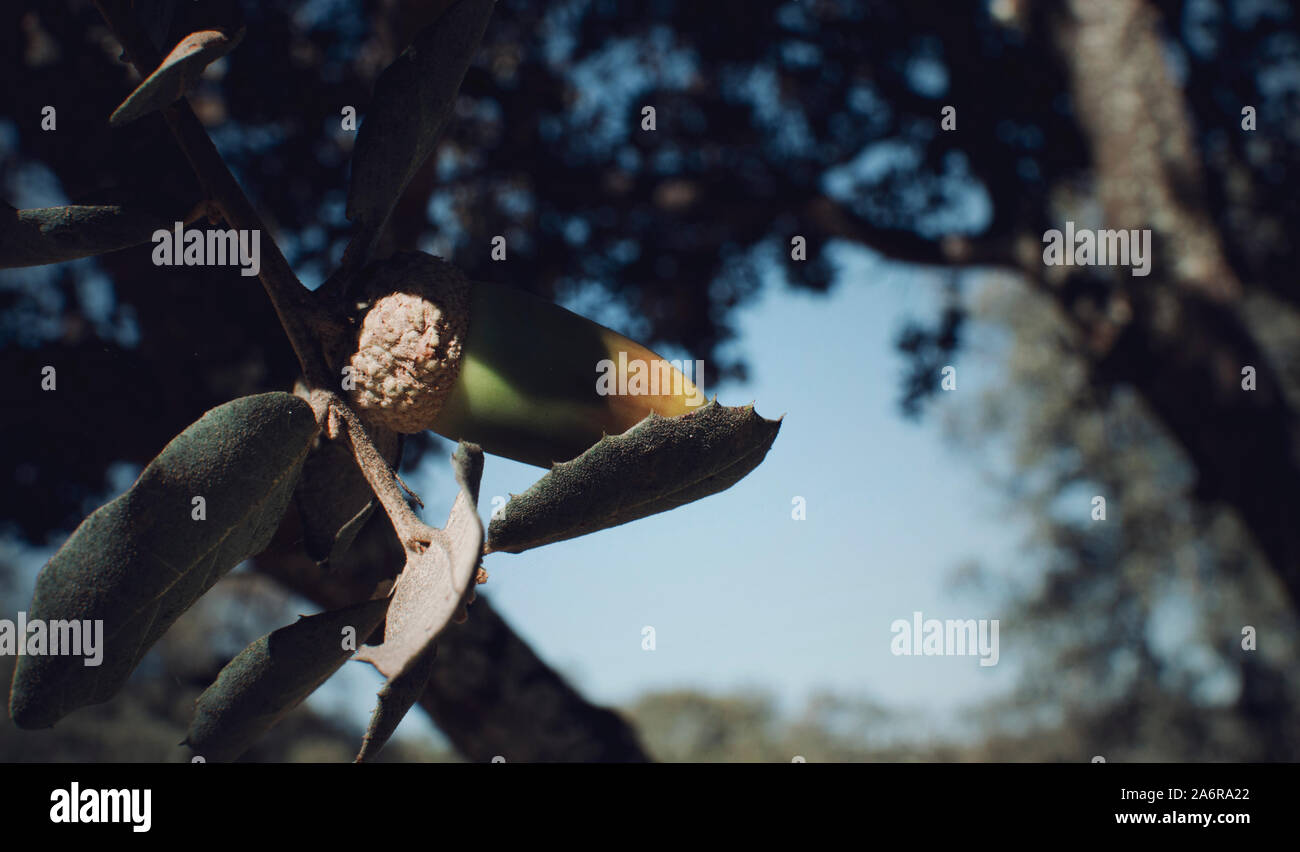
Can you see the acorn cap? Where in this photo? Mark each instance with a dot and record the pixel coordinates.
(409, 343)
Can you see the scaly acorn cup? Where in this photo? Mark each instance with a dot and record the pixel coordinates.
(518, 375)
(408, 351)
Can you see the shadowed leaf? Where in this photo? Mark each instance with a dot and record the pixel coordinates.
(175, 74)
(273, 675)
(54, 234)
(412, 101)
(431, 589)
(657, 465)
(141, 560)
(334, 500)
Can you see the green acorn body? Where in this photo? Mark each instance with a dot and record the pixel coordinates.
(516, 374)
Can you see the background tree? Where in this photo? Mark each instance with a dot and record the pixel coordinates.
(1137, 621)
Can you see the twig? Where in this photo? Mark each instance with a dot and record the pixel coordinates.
(300, 315)
(306, 318)
(411, 531)
(414, 497)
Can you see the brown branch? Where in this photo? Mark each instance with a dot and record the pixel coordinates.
(1146, 161)
(383, 481)
(1182, 338)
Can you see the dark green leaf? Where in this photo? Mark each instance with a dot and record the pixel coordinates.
(273, 675)
(141, 560)
(657, 465)
(55, 234)
(412, 101)
(334, 500)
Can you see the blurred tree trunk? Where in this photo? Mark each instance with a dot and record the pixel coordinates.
(1177, 335)
(492, 696)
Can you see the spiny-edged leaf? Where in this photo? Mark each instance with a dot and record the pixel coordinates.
(396, 697)
(434, 581)
(431, 589)
(657, 465)
(273, 675)
(412, 101)
(174, 75)
(334, 500)
(55, 234)
(141, 560)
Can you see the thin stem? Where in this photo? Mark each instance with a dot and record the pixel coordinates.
(411, 531)
(305, 317)
(415, 498)
(299, 314)
(292, 302)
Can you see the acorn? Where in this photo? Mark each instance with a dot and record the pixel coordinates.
(516, 374)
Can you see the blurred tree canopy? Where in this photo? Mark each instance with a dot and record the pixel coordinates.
(773, 118)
